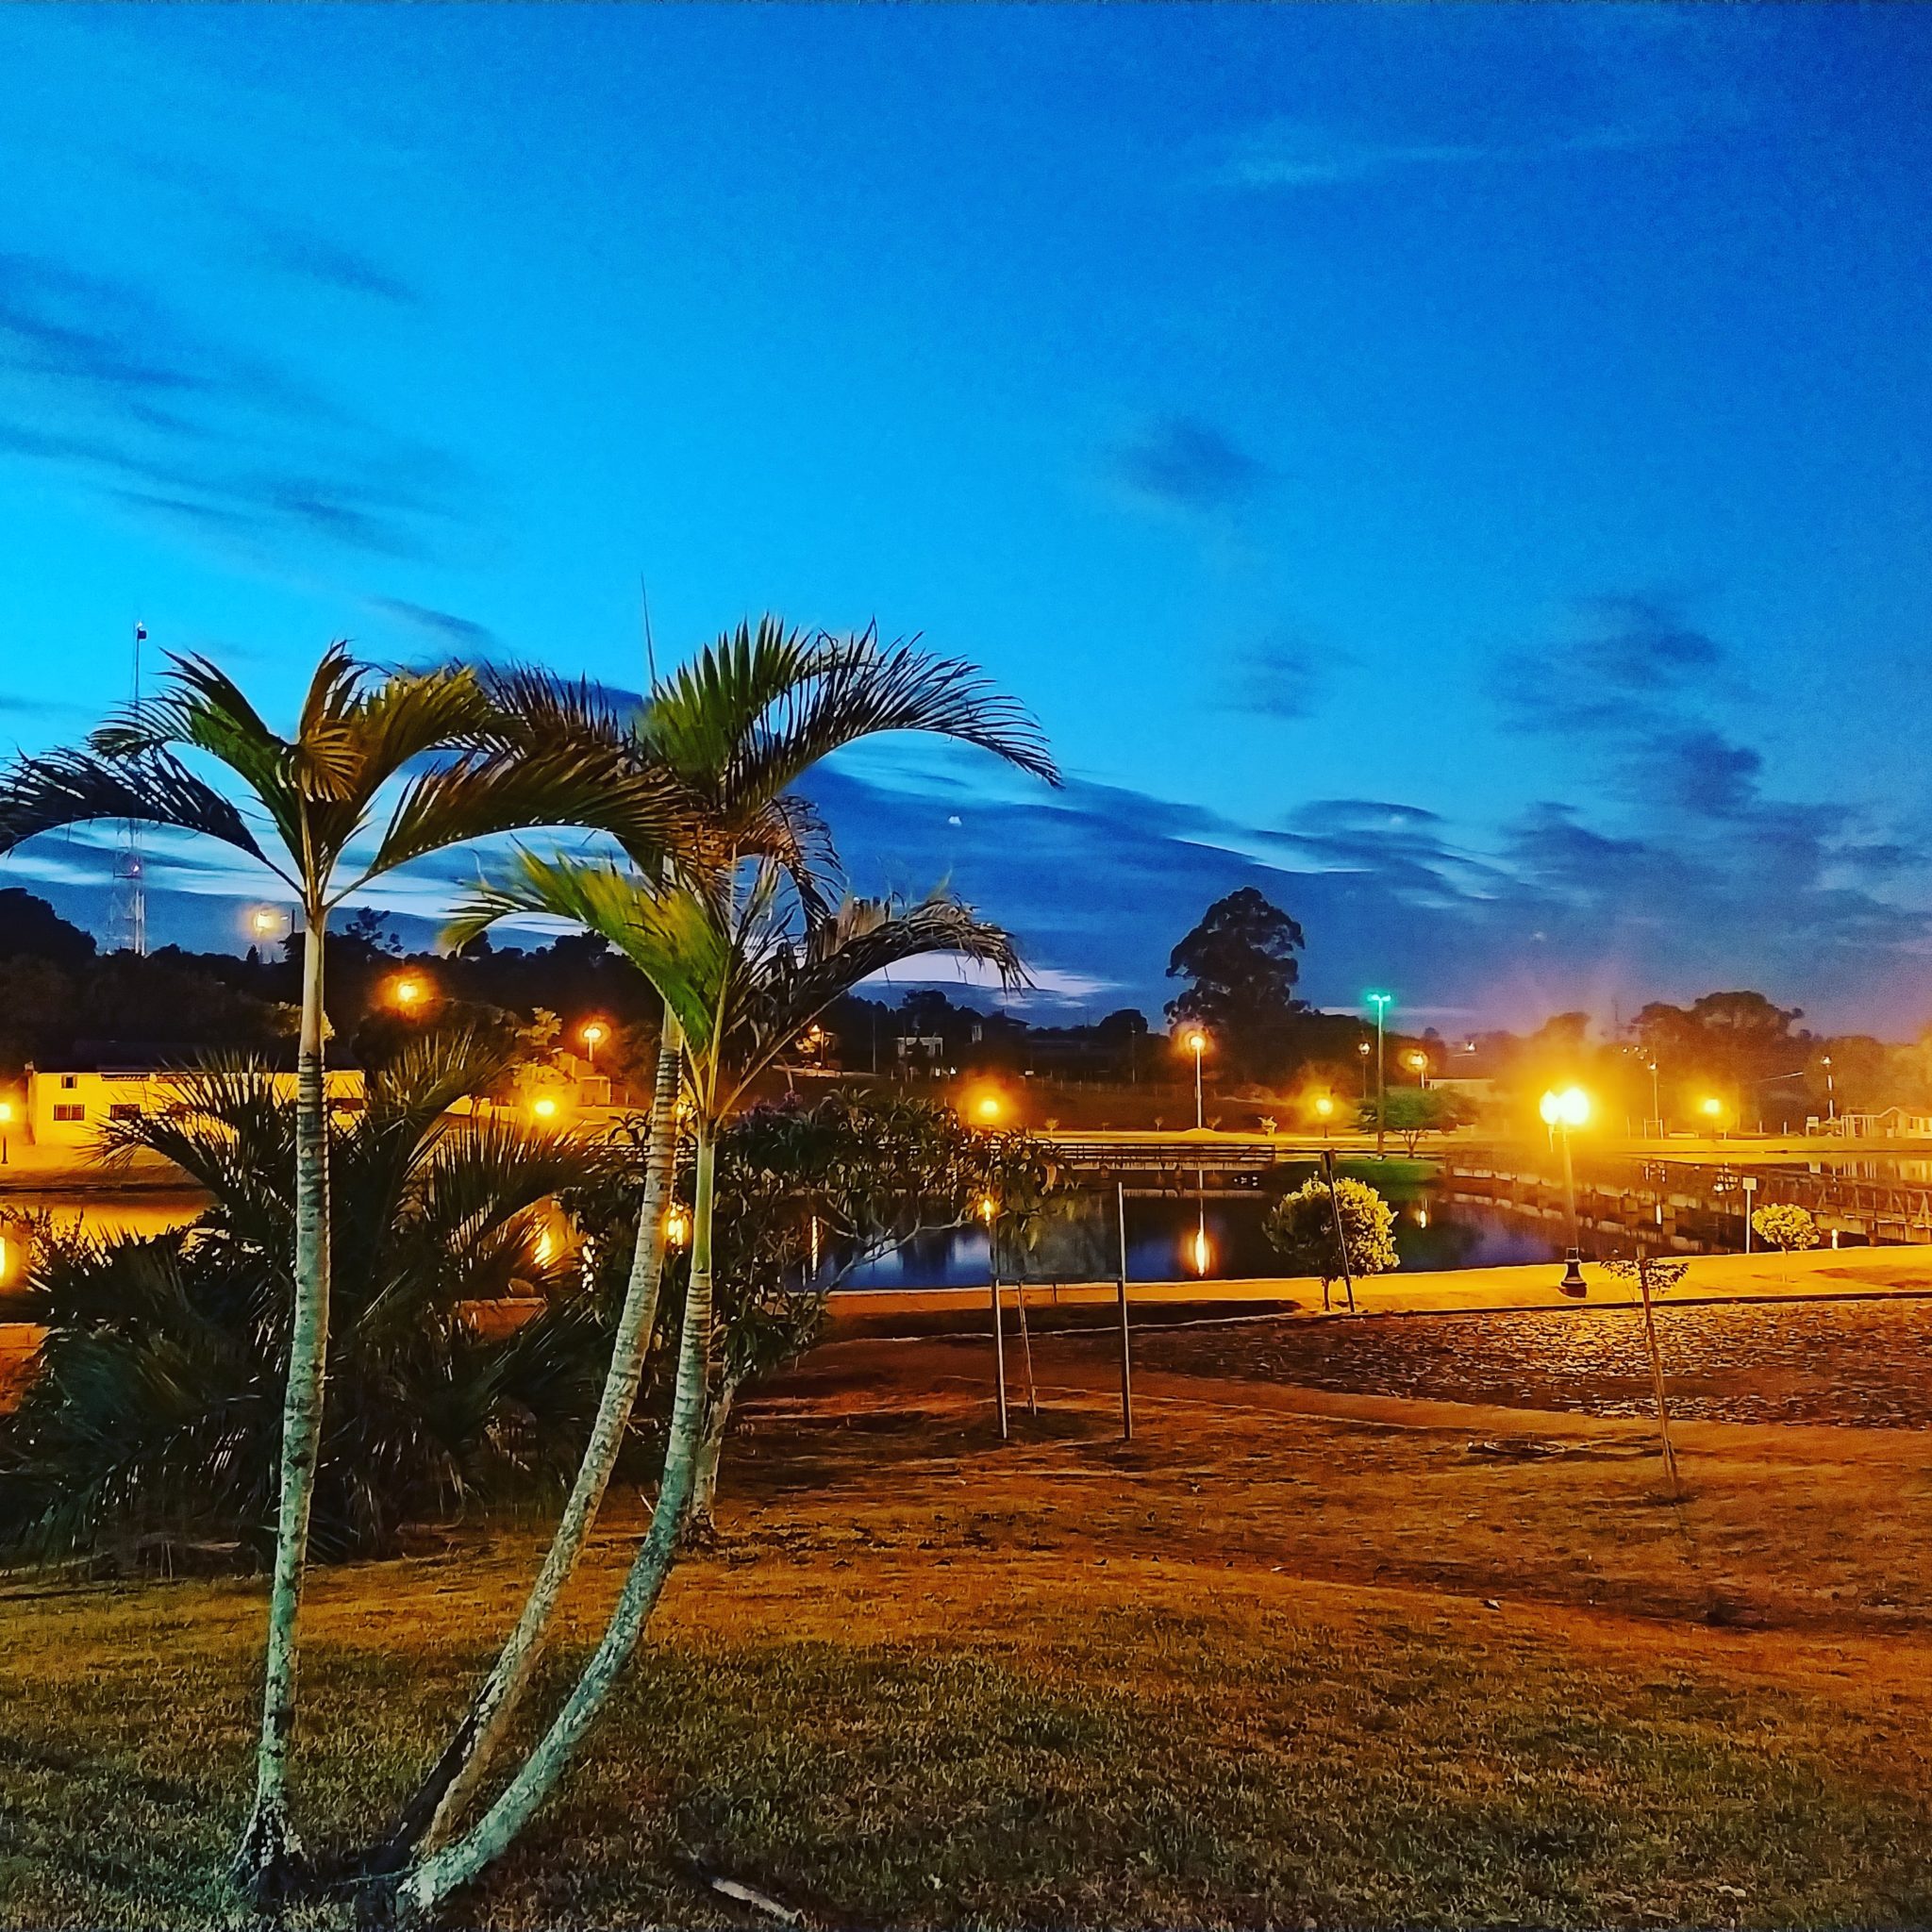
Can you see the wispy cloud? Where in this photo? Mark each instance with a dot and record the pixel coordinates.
(104, 380)
(456, 633)
(1183, 463)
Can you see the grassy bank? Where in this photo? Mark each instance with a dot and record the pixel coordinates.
(1260, 1667)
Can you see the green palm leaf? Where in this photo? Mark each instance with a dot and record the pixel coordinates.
(667, 932)
(71, 788)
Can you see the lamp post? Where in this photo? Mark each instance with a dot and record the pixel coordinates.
(6, 1122)
(1830, 1091)
(1197, 1045)
(1561, 1112)
(1657, 1106)
(593, 1034)
(1363, 1048)
(1323, 1107)
(1380, 1002)
(1419, 1062)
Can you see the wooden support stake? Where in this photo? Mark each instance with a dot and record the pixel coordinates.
(1126, 1356)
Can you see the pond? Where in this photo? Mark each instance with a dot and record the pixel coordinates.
(1215, 1236)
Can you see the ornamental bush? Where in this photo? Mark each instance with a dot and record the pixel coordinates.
(1301, 1228)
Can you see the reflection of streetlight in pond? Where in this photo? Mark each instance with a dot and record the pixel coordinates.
(1200, 1250)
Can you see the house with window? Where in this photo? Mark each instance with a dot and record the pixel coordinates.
(67, 1106)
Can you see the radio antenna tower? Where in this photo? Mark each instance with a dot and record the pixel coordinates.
(129, 910)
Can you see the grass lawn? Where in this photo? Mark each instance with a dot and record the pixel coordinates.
(1284, 1661)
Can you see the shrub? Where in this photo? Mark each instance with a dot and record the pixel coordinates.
(1301, 1228)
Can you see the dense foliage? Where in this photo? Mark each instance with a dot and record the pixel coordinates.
(156, 1412)
(1301, 1228)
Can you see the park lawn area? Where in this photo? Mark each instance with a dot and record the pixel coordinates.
(1268, 1665)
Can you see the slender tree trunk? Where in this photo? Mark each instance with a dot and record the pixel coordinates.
(432, 1814)
(423, 1890)
(269, 1850)
(703, 1519)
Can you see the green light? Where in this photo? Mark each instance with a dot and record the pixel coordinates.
(1379, 999)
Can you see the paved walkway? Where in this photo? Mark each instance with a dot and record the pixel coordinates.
(1822, 1273)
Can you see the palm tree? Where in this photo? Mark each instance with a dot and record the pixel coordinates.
(736, 727)
(743, 978)
(152, 1414)
(319, 793)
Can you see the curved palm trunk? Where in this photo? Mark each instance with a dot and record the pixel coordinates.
(703, 1519)
(265, 1858)
(422, 1891)
(432, 1813)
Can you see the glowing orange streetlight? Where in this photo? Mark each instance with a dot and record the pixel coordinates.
(676, 1228)
(6, 1122)
(1325, 1107)
(544, 1106)
(409, 993)
(593, 1033)
(1562, 1111)
(1196, 1044)
(988, 1107)
(1420, 1063)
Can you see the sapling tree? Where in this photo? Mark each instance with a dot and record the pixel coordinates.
(1786, 1227)
(1654, 1274)
(1301, 1227)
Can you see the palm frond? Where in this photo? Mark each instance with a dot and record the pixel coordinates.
(699, 717)
(667, 932)
(570, 783)
(788, 985)
(200, 706)
(73, 788)
(859, 689)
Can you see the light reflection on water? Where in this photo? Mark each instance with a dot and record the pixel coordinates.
(1078, 1241)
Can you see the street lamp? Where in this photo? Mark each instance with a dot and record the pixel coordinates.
(988, 1108)
(1561, 1112)
(409, 993)
(1713, 1110)
(544, 1106)
(265, 923)
(1830, 1091)
(1419, 1062)
(593, 1033)
(1380, 1002)
(676, 1228)
(6, 1122)
(1323, 1108)
(1657, 1106)
(1196, 1044)
(1361, 1046)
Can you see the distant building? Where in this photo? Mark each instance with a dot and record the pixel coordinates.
(1894, 1123)
(66, 1107)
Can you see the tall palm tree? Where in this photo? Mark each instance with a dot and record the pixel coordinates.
(745, 965)
(736, 728)
(459, 766)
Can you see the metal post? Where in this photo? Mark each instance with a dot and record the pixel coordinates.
(1200, 1116)
(1340, 1237)
(999, 1332)
(1026, 1345)
(1569, 1185)
(1381, 1082)
(1126, 1361)
(1657, 1372)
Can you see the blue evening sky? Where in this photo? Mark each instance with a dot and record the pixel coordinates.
(1464, 471)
